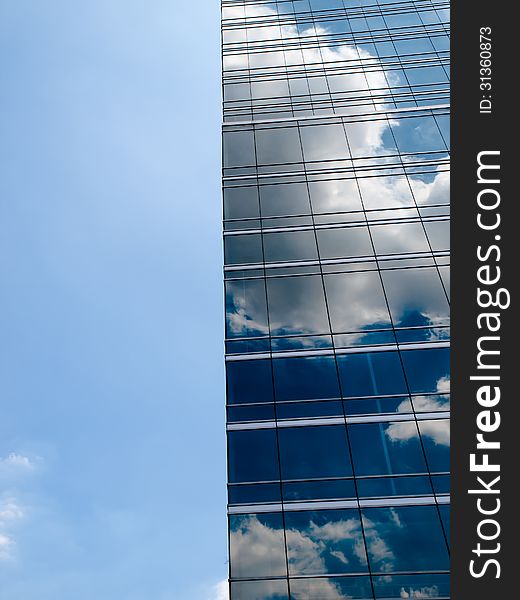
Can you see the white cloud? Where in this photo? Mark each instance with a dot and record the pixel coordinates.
(340, 556)
(240, 322)
(430, 403)
(221, 590)
(5, 547)
(10, 510)
(10, 513)
(402, 431)
(17, 461)
(422, 593)
(378, 549)
(438, 430)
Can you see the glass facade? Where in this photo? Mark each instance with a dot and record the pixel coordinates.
(336, 242)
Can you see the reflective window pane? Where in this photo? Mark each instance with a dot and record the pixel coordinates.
(356, 301)
(275, 146)
(249, 381)
(335, 196)
(399, 238)
(239, 149)
(328, 489)
(324, 142)
(416, 297)
(257, 548)
(394, 448)
(334, 588)
(241, 203)
(307, 452)
(394, 534)
(427, 370)
(344, 242)
(417, 134)
(243, 249)
(297, 305)
(326, 541)
(305, 378)
(246, 308)
(290, 246)
(253, 455)
(371, 374)
(264, 589)
(438, 234)
(436, 440)
(284, 199)
(428, 585)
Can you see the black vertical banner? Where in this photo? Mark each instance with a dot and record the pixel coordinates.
(485, 453)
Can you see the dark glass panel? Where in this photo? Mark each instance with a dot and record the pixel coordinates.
(260, 492)
(386, 448)
(436, 440)
(255, 412)
(249, 381)
(289, 246)
(371, 374)
(307, 452)
(367, 338)
(243, 249)
(253, 455)
(265, 589)
(441, 484)
(384, 487)
(306, 342)
(399, 404)
(319, 490)
(444, 510)
(299, 410)
(239, 149)
(279, 145)
(284, 199)
(427, 370)
(241, 203)
(305, 378)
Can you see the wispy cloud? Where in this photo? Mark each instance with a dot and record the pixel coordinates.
(14, 460)
(221, 590)
(10, 514)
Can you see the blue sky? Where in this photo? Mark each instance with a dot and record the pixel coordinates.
(112, 452)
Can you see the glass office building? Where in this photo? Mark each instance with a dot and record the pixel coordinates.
(336, 237)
